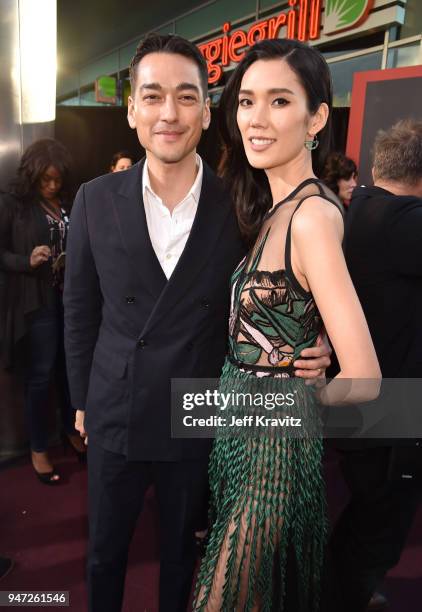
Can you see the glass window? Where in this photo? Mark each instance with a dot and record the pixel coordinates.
(341, 47)
(412, 20)
(212, 17)
(69, 102)
(342, 74)
(88, 98)
(408, 55)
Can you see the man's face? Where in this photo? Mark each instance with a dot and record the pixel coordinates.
(168, 109)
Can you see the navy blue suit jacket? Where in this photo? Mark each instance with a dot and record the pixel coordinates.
(129, 331)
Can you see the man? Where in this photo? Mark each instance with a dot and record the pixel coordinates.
(384, 255)
(149, 257)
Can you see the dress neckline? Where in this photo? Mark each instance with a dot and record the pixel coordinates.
(291, 195)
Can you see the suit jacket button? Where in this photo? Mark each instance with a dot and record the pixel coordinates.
(205, 303)
(142, 343)
(130, 299)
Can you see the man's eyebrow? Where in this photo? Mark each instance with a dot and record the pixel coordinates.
(155, 86)
(191, 86)
(273, 90)
(180, 86)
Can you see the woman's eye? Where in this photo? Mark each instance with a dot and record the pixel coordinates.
(244, 102)
(280, 102)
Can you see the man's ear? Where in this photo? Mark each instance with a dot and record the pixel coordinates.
(206, 118)
(131, 112)
(318, 119)
(373, 174)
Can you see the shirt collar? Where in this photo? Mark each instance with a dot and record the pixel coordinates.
(194, 191)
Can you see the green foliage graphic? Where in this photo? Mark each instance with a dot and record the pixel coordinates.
(342, 14)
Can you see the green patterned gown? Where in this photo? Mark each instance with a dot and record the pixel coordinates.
(267, 493)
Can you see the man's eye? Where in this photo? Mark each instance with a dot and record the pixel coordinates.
(280, 102)
(245, 102)
(150, 98)
(188, 98)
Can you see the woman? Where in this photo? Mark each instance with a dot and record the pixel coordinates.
(33, 229)
(339, 174)
(122, 160)
(268, 504)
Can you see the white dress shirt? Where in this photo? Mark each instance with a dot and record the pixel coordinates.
(169, 232)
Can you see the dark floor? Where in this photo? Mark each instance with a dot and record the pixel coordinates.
(44, 529)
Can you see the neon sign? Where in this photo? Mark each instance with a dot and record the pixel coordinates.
(302, 22)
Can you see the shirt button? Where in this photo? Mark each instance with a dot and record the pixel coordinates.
(142, 343)
(168, 256)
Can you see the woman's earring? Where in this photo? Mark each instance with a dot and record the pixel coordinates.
(312, 144)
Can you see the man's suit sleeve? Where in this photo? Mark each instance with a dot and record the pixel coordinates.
(82, 303)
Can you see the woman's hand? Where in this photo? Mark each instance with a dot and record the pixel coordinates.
(39, 256)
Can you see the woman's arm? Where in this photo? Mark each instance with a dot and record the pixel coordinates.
(12, 262)
(17, 262)
(318, 260)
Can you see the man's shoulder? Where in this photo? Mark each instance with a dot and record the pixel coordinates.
(112, 182)
(215, 184)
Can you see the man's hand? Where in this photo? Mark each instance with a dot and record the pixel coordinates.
(317, 359)
(79, 425)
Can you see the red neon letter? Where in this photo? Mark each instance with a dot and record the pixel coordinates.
(211, 51)
(237, 41)
(315, 24)
(224, 54)
(274, 25)
(303, 20)
(257, 32)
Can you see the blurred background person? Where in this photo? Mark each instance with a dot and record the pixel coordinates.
(383, 250)
(33, 229)
(340, 174)
(122, 160)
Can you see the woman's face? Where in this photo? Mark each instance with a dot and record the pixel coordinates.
(50, 183)
(124, 163)
(272, 114)
(345, 188)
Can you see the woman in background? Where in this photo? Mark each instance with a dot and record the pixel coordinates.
(340, 174)
(33, 228)
(122, 160)
(267, 540)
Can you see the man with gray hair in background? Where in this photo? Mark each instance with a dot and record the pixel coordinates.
(383, 249)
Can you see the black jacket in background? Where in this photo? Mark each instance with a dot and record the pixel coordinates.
(23, 290)
(129, 331)
(383, 249)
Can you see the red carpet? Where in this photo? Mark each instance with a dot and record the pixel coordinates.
(44, 529)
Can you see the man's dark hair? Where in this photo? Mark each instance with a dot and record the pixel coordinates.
(398, 153)
(169, 43)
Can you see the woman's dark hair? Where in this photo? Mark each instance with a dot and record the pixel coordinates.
(121, 155)
(249, 186)
(169, 43)
(337, 167)
(37, 158)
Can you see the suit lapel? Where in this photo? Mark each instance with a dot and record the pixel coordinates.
(208, 223)
(132, 223)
